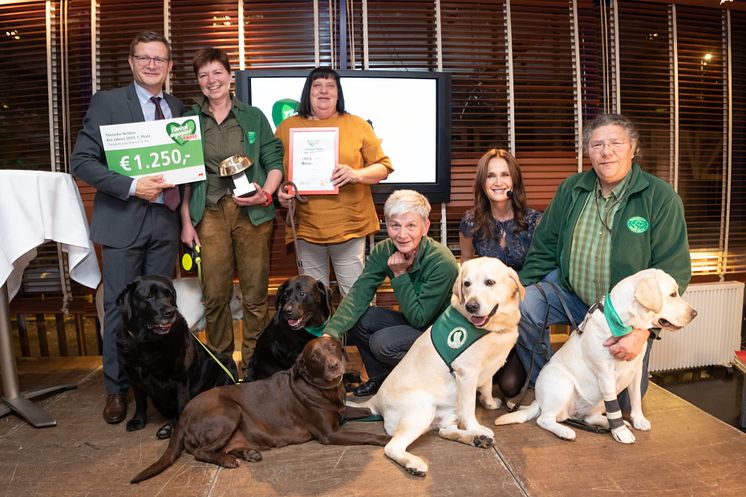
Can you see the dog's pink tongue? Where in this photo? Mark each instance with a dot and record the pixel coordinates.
(479, 321)
(294, 322)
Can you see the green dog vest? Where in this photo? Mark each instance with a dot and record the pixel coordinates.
(452, 334)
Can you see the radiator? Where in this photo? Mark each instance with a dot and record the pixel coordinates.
(712, 337)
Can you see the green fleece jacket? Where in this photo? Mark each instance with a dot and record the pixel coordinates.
(423, 292)
(649, 231)
(260, 145)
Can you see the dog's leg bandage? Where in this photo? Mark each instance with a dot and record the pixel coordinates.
(614, 415)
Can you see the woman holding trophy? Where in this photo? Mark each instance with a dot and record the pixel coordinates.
(230, 214)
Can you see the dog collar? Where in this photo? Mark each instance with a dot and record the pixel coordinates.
(317, 331)
(617, 327)
(452, 334)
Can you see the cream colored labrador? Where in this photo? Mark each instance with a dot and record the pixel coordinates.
(582, 380)
(422, 392)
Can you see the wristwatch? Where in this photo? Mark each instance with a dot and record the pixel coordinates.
(268, 196)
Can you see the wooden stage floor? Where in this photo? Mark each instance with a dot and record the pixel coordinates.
(688, 453)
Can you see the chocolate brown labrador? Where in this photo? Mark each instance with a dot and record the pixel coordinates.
(226, 424)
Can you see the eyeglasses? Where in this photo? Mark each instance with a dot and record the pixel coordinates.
(144, 60)
(601, 146)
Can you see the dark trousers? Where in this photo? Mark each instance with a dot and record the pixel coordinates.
(383, 337)
(153, 252)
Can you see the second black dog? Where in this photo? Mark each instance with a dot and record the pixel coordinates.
(303, 306)
(162, 359)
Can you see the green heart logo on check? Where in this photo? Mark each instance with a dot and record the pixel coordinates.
(180, 132)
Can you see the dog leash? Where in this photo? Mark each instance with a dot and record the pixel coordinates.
(222, 366)
(290, 219)
(193, 258)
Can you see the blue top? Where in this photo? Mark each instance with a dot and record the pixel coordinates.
(513, 251)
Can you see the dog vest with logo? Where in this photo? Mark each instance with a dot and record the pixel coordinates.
(452, 334)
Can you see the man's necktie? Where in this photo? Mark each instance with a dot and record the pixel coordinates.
(158, 111)
(171, 197)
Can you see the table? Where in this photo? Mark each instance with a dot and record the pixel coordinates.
(37, 206)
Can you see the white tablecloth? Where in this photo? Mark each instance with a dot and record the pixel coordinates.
(37, 206)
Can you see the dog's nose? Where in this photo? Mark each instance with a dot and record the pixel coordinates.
(169, 313)
(334, 365)
(693, 314)
(472, 306)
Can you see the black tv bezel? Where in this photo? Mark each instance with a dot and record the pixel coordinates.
(438, 191)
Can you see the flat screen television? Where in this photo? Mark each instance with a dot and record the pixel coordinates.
(409, 111)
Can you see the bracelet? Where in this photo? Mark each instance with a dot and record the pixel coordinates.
(268, 202)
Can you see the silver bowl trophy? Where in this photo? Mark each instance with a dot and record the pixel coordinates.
(234, 166)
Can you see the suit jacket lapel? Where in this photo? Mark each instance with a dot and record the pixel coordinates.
(133, 103)
(173, 104)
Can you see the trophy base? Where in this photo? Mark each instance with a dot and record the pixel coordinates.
(242, 186)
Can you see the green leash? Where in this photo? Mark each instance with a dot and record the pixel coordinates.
(214, 358)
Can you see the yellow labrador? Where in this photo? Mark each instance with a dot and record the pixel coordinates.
(423, 391)
(582, 380)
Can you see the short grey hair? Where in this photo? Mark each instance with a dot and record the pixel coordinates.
(406, 201)
(612, 120)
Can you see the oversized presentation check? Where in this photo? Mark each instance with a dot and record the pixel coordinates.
(171, 147)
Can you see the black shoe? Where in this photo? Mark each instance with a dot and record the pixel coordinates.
(368, 388)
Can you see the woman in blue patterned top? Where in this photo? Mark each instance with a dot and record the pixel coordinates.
(500, 225)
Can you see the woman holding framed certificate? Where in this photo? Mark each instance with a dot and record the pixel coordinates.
(233, 228)
(334, 157)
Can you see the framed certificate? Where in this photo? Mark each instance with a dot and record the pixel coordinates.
(312, 156)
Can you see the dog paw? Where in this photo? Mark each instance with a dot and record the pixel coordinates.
(490, 404)
(483, 431)
(597, 420)
(641, 423)
(229, 461)
(623, 435)
(417, 471)
(136, 424)
(249, 455)
(561, 431)
(483, 442)
(164, 431)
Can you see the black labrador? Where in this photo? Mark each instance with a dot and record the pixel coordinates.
(303, 306)
(162, 359)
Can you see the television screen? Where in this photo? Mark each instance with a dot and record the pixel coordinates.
(410, 113)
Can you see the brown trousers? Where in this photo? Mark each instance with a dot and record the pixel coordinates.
(229, 238)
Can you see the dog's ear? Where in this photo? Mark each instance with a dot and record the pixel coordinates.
(343, 350)
(280, 297)
(326, 295)
(124, 300)
(519, 288)
(457, 287)
(648, 294)
(170, 284)
(300, 366)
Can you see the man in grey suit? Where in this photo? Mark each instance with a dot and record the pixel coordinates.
(136, 221)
